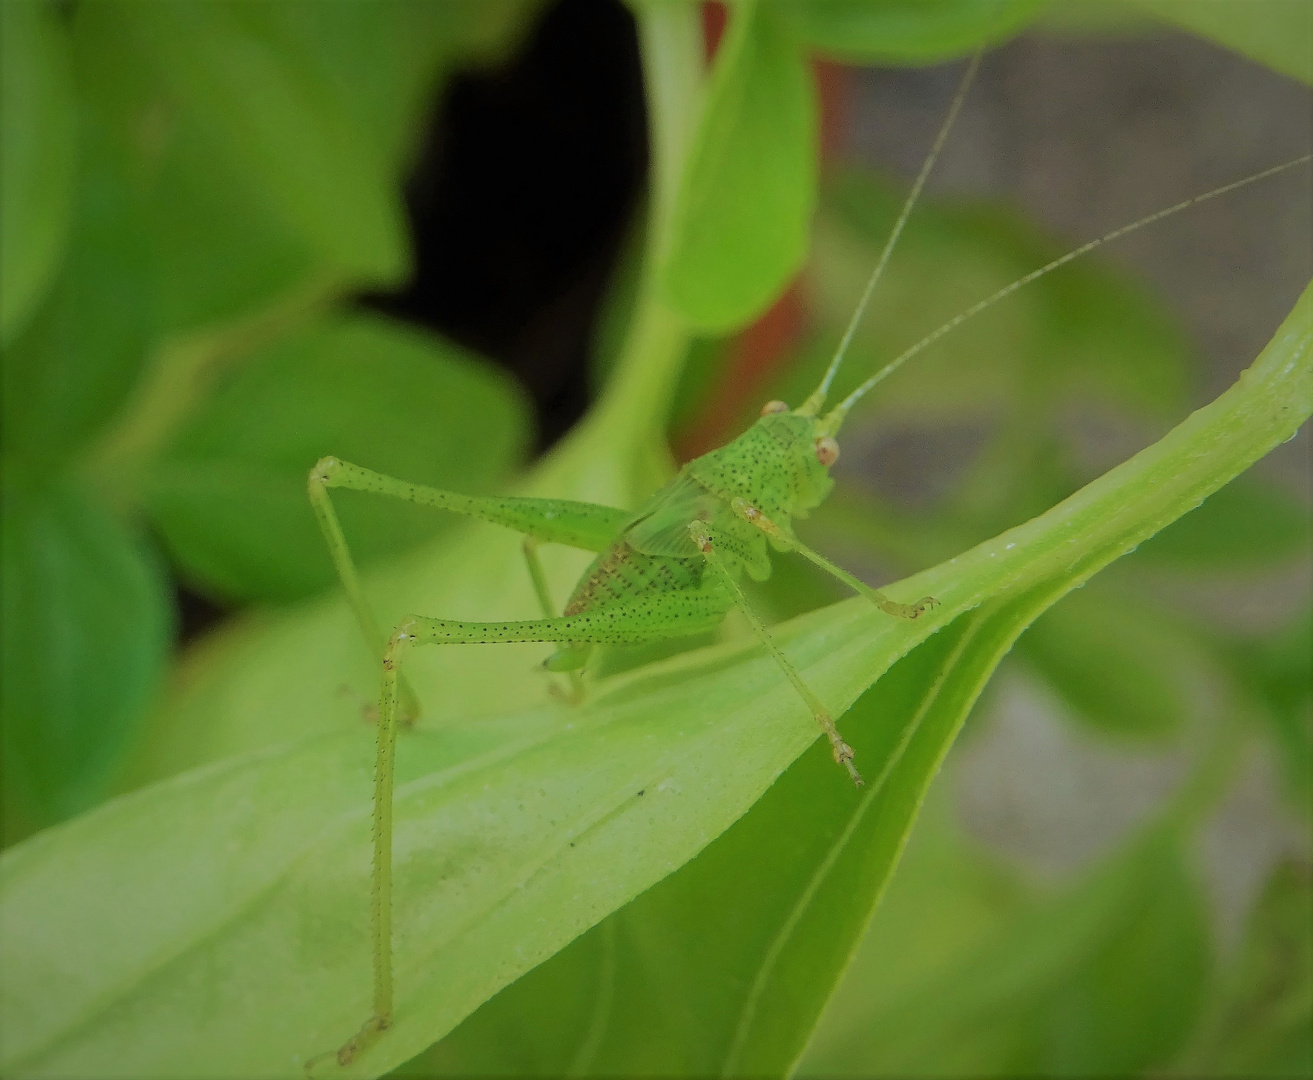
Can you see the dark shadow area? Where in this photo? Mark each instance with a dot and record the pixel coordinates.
(521, 198)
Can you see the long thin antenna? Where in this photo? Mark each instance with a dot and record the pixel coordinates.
(836, 416)
(813, 404)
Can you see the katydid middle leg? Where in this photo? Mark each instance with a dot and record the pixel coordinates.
(703, 537)
(539, 579)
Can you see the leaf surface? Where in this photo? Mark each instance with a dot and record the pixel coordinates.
(1117, 664)
(1278, 33)
(723, 967)
(1105, 978)
(907, 31)
(282, 124)
(740, 229)
(79, 356)
(229, 493)
(37, 132)
(234, 938)
(86, 629)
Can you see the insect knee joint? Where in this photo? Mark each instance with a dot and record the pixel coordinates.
(701, 536)
(324, 470)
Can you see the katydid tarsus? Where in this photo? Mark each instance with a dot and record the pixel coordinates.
(670, 569)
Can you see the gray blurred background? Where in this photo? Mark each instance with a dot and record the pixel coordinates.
(1086, 132)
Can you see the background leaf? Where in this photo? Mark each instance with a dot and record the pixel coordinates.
(229, 494)
(1116, 663)
(906, 31)
(276, 117)
(1278, 33)
(1106, 978)
(1084, 331)
(227, 245)
(1278, 672)
(86, 631)
(1246, 525)
(740, 229)
(674, 984)
(37, 167)
(1261, 1021)
(77, 359)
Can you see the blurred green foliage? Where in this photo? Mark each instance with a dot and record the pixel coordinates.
(190, 192)
(171, 364)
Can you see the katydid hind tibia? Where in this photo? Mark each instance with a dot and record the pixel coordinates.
(670, 569)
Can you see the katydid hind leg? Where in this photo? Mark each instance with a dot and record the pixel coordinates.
(633, 622)
(585, 525)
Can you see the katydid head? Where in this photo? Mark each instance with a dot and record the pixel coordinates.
(824, 444)
(801, 454)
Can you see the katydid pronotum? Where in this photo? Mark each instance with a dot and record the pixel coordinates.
(670, 569)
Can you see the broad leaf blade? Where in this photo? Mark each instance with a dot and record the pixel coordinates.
(86, 631)
(907, 31)
(229, 493)
(1247, 525)
(283, 124)
(734, 987)
(740, 229)
(80, 354)
(513, 836)
(1103, 979)
(38, 153)
(1278, 33)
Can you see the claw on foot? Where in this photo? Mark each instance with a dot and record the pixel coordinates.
(911, 611)
(843, 755)
(350, 1050)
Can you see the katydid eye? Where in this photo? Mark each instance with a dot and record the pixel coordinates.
(827, 451)
(774, 407)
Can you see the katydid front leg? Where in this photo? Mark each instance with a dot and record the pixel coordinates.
(755, 517)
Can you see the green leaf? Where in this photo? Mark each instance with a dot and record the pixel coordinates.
(229, 493)
(223, 249)
(1278, 672)
(1261, 1021)
(1247, 525)
(235, 934)
(948, 899)
(1278, 33)
(1106, 979)
(281, 124)
(1116, 663)
(77, 359)
(86, 632)
(740, 228)
(734, 988)
(906, 31)
(37, 155)
(226, 246)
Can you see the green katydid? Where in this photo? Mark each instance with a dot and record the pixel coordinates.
(670, 569)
